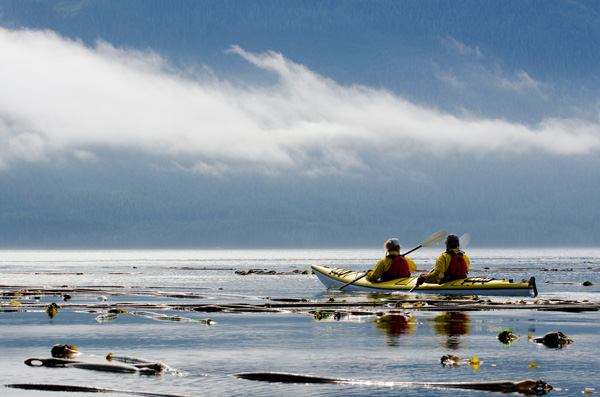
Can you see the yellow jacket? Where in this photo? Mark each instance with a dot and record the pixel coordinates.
(384, 265)
(441, 265)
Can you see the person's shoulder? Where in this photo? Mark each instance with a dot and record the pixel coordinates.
(444, 257)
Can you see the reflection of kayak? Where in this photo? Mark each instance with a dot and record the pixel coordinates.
(335, 278)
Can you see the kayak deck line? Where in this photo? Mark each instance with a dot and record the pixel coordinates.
(527, 387)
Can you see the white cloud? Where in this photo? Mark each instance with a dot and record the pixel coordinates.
(449, 79)
(462, 48)
(60, 97)
(472, 72)
(521, 83)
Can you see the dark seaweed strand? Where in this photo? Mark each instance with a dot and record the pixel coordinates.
(527, 386)
(82, 389)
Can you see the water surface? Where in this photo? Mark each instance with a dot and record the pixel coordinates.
(405, 347)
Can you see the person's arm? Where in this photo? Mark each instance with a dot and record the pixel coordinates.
(377, 272)
(440, 269)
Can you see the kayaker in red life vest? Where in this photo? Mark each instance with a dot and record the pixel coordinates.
(451, 265)
(393, 266)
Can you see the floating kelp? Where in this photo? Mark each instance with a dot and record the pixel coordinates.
(585, 283)
(113, 314)
(100, 293)
(145, 368)
(63, 356)
(384, 302)
(64, 351)
(554, 339)
(305, 304)
(175, 318)
(118, 311)
(48, 362)
(141, 362)
(240, 308)
(506, 336)
(107, 317)
(344, 315)
(250, 272)
(526, 387)
(83, 389)
(126, 359)
(52, 309)
(199, 268)
(449, 360)
(125, 369)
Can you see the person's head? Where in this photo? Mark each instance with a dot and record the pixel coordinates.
(452, 241)
(392, 244)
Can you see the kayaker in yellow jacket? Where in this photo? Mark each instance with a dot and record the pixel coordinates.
(393, 265)
(451, 265)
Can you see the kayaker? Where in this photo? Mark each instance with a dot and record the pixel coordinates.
(451, 265)
(393, 265)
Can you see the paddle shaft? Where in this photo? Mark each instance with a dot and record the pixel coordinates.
(414, 249)
(416, 285)
(355, 280)
(433, 239)
(367, 272)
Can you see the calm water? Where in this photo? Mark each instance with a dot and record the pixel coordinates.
(406, 349)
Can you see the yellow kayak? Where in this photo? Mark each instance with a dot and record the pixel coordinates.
(334, 278)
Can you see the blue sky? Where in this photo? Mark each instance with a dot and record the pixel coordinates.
(423, 95)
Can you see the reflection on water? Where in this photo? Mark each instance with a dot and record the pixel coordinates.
(452, 325)
(395, 325)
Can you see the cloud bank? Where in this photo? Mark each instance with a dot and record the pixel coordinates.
(63, 99)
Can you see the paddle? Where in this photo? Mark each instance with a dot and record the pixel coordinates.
(429, 241)
(464, 240)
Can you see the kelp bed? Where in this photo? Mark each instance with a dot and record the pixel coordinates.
(19, 298)
(108, 302)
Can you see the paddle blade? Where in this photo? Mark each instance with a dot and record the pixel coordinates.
(434, 238)
(464, 240)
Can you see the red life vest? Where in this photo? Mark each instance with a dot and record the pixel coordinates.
(457, 267)
(399, 268)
